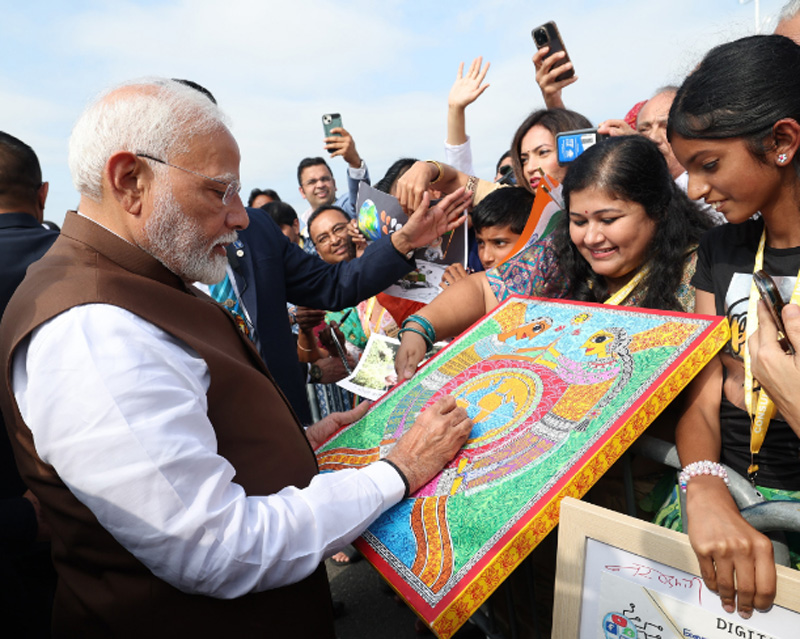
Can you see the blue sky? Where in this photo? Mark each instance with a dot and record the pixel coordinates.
(276, 67)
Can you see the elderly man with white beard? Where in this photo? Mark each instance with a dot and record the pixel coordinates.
(182, 494)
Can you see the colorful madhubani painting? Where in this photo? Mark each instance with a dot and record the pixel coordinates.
(557, 391)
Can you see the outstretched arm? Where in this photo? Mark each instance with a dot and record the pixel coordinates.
(418, 180)
(465, 90)
(454, 310)
(189, 521)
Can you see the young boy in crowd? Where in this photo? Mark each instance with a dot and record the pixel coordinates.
(498, 221)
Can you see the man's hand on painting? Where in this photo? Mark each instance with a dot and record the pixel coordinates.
(436, 436)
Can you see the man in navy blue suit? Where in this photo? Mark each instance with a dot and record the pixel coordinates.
(26, 574)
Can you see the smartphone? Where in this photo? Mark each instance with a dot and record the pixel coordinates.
(547, 35)
(570, 144)
(771, 296)
(331, 121)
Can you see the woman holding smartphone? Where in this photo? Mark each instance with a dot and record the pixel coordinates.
(735, 126)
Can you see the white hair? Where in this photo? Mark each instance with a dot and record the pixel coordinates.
(789, 11)
(156, 116)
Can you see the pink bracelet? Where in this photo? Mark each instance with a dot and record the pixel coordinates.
(704, 467)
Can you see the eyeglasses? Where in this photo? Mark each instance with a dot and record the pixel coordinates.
(327, 179)
(231, 188)
(338, 230)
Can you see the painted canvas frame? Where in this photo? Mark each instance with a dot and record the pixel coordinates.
(558, 391)
(625, 578)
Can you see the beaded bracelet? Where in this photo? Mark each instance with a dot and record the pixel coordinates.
(704, 467)
(424, 323)
(428, 342)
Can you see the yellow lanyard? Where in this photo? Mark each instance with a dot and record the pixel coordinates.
(760, 407)
(622, 294)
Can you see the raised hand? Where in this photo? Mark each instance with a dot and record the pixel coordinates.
(546, 74)
(452, 274)
(467, 88)
(615, 127)
(427, 223)
(358, 237)
(344, 145)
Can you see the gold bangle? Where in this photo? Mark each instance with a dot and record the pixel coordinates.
(438, 168)
(306, 350)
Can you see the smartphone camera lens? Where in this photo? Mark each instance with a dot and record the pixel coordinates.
(326, 119)
(540, 35)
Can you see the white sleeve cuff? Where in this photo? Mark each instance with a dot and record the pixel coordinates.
(459, 156)
(357, 174)
(388, 482)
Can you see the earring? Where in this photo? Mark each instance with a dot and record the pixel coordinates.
(782, 157)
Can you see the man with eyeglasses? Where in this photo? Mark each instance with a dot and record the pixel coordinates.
(327, 228)
(182, 493)
(317, 184)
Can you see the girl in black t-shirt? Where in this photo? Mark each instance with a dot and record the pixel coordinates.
(735, 127)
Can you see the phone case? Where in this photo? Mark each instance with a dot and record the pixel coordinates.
(555, 43)
(331, 121)
(772, 299)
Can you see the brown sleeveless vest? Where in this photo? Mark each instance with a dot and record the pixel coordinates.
(103, 591)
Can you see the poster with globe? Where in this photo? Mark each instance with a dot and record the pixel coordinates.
(557, 391)
(380, 214)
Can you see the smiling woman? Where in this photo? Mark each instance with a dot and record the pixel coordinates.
(611, 234)
(629, 226)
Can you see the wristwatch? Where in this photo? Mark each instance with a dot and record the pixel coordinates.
(315, 373)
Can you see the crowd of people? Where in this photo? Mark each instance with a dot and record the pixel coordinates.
(169, 357)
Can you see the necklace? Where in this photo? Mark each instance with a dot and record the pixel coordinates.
(622, 294)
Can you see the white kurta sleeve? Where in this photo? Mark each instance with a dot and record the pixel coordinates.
(118, 408)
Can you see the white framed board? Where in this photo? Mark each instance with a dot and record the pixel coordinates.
(622, 578)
